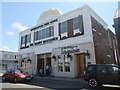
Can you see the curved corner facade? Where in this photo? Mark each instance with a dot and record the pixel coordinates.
(65, 43)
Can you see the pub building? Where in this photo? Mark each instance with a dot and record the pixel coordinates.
(66, 43)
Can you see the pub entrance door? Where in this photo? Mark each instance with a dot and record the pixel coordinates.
(81, 64)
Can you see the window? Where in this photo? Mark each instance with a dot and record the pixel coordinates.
(36, 36)
(28, 38)
(18, 71)
(113, 69)
(10, 56)
(23, 40)
(90, 68)
(67, 63)
(51, 31)
(5, 56)
(39, 34)
(78, 23)
(60, 65)
(15, 56)
(64, 27)
(75, 23)
(44, 33)
(101, 69)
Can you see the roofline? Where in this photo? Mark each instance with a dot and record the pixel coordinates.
(82, 7)
(8, 51)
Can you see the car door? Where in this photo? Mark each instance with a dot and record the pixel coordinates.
(11, 74)
(101, 74)
(7, 74)
(113, 74)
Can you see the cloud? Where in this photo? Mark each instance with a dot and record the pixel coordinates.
(10, 33)
(19, 26)
(5, 48)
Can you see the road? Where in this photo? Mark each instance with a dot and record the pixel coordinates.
(47, 84)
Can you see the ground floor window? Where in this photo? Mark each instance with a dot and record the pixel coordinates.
(26, 64)
(4, 66)
(67, 67)
(67, 63)
(64, 63)
(60, 67)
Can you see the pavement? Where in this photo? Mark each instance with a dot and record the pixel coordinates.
(60, 78)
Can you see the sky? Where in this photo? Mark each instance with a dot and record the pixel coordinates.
(18, 16)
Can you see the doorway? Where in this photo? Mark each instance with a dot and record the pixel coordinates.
(81, 64)
(43, 62)
(40, 65)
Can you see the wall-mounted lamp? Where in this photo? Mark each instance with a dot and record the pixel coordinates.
(22, 60)
(54, 57)
(69, 56)
(29, 60)
(59, 57)
(87, 54)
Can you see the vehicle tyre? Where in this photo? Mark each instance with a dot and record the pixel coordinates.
(15, 80)
(93, 83)
(3, 78)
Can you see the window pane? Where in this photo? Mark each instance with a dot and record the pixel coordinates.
(60, 67)
(67, 63)
(36, 36)
(80, 23)
(23, 40)
(75, 23)
(28, 38)
(64, 27)
(101, 69)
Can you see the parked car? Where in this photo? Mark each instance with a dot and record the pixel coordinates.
(16, 75)
(96, 75)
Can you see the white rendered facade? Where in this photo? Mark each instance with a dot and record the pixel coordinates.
(8, 60)
(64, 54)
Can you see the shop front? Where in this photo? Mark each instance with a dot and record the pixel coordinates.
(71, 61)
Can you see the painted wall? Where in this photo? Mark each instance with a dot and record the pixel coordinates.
(84, 41)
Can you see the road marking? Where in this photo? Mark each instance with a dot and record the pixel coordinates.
(106, 85)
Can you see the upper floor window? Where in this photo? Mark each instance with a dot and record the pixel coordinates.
(64, 27)
(5, 56)
(51, 31)
(78, 23)
(23, 40)
(75, 23)
(28, 38)
(44, 33)
(36, 35)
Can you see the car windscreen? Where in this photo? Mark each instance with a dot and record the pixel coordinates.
(18, 71)
(90, 69)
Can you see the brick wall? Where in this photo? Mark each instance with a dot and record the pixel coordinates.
(103, 43)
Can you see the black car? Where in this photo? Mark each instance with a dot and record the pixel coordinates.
(99, 74)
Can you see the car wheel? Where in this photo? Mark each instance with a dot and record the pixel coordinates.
(15, 80)
(3, 78)
(93, 83)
